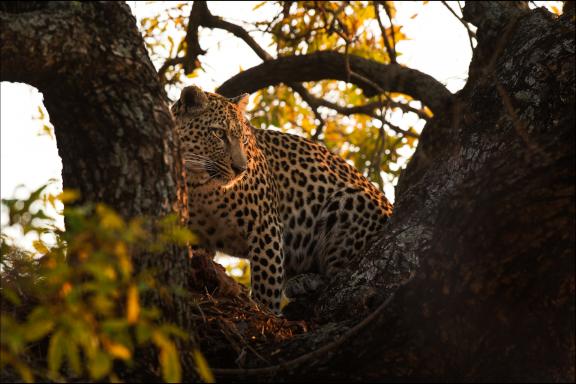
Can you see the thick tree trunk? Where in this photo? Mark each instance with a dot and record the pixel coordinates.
(477, 268)
(487, 207)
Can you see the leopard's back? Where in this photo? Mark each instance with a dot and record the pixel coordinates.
(329, 211)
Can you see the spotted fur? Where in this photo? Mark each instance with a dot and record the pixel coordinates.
(284, 202)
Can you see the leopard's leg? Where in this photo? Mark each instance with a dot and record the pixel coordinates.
(266, 257)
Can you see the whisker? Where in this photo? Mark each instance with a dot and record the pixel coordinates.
(195, 156)
(198, 162)
(195, 162)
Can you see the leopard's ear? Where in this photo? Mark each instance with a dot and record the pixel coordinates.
(241, 101)
(193, 100)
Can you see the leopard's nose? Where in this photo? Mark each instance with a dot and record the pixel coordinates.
(238, 169)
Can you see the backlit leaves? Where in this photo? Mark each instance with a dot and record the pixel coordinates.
(83, 300)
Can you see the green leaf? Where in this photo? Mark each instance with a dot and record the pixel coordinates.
(100, 365)
(170, 363)
(56, 350)
(73, 355)
(115, 325)
(11, 295)
(38, 329)
(143, 332)
(171, 329)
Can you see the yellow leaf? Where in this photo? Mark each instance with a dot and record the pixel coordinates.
(120, 249)
(171, 40)
(46, 130)
(23, 370)
(40, 247)
(118, 350)
(555, 10)
(69, 195)
(169, 360)
(109, 272)
(123, 260)
(202, 367)
(258, 5)
(108, 218)
(40, 113)
(132, 305)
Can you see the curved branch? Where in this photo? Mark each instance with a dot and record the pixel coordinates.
(332, 65)
(208, 20)
(169, 63)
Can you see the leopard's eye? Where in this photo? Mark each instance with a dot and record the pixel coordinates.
(218, 133)
(245, 140)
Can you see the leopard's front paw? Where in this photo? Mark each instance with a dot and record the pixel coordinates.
(302, 285)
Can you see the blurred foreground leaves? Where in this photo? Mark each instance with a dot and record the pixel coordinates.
(72, 308)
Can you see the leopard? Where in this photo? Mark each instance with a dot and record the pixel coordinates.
(284, 202)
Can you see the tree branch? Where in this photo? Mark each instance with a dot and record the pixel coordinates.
(332, 65)
(210, 21)
(366, 109)
(391, 51)
(311, 101)
(169, 63)
(200, 16)
(471, 34)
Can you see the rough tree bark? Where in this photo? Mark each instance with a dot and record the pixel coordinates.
(476, 271)
(487, 207)
(112, 123)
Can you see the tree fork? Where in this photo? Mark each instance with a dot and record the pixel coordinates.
(486, 206)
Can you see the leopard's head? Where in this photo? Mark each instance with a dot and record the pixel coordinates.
(214, 136)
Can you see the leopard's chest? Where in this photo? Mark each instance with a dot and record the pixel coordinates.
(213, 219)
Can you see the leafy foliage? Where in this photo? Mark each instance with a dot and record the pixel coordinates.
(74, 309)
